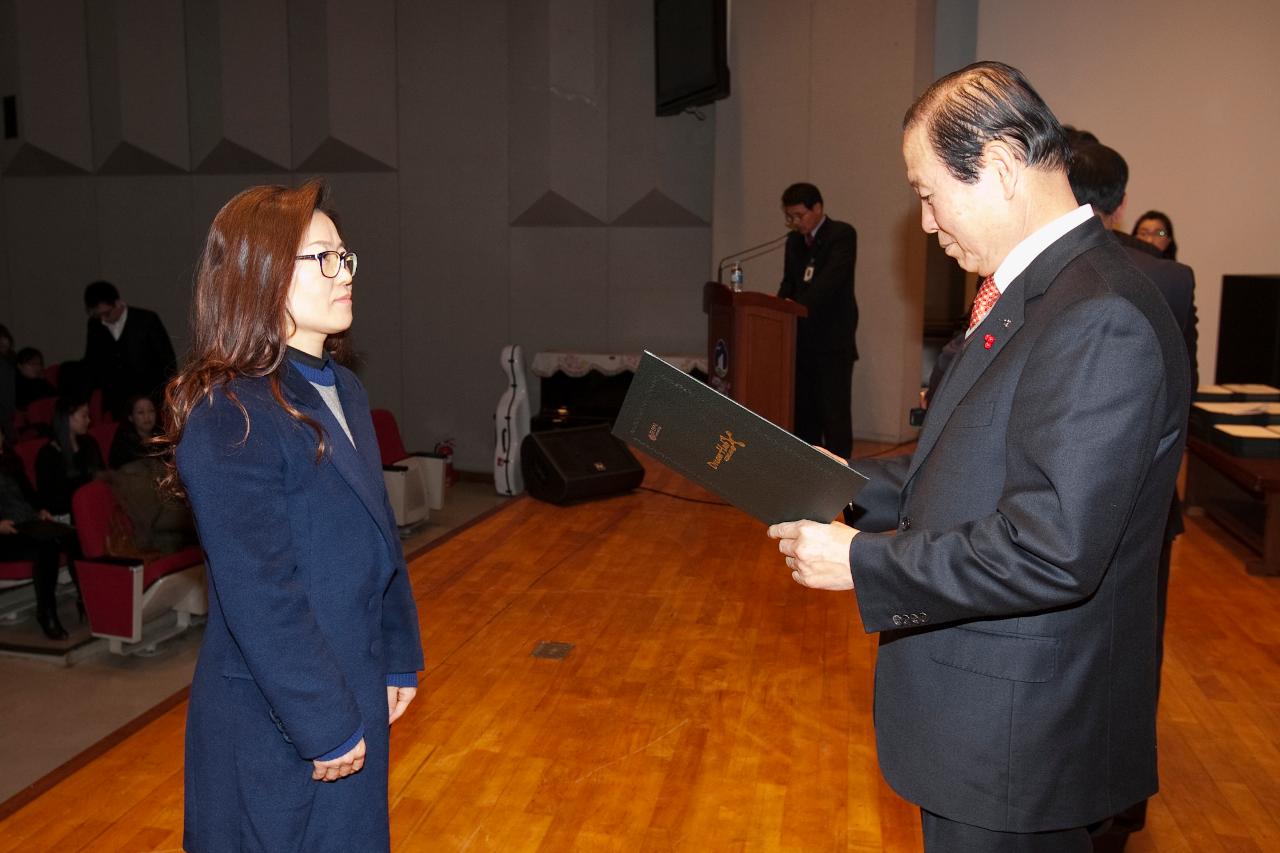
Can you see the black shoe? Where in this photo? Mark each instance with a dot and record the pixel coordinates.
(48, 621)
(80, 610)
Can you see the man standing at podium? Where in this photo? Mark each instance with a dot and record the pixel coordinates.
(818, 273)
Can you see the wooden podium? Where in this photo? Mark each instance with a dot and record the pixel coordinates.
(751, 349)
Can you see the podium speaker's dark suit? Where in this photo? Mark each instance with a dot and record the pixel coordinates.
(1016, 677)
(309, 610)
(825, 347)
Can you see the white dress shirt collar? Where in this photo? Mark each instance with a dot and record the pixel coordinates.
(117, 328)
(1031, 246)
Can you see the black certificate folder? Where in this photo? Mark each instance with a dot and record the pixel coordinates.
(753, 464)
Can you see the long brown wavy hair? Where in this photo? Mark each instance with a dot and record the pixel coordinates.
(240, 321)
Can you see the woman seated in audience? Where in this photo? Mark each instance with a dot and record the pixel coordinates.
(1157, 229)
(30, 534)
(161, 522)
(131, 441)
(70, 459)
(31, 383)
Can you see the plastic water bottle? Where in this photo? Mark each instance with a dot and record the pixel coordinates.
(737, 277)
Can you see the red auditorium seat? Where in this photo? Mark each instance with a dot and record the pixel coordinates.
(414, 482)
(28, 449)
(105, 434)
(123, 593)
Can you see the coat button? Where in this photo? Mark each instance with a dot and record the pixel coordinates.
(905, 524)
(897, 620)
(374, 648)
(373, 604)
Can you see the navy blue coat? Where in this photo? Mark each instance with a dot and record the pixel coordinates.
(309, 610)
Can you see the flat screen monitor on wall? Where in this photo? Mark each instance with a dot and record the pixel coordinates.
(691, 52)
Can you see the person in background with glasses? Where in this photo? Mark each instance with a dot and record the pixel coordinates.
(312, 646)
(818, 273)
(1156, 228)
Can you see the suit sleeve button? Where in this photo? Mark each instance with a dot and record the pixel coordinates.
(897, 620)
(924, 617)
(905, 524)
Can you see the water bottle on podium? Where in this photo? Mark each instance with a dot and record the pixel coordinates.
(737, 277)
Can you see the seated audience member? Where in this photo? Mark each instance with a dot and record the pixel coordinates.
(31, 384)
(30, 534)
(1156, 228)
(160, 522)
(70, 459)
(130, 443)
(127, 350)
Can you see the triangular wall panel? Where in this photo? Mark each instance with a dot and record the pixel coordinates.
(553, 210)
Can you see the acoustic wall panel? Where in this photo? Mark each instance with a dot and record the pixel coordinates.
(138, 84)
(238, 79)
(559, 120)
(452, 61)
(53, 89)
(560, 289)
(655, 289)
(659, 169)
(51, 234)
(343, 85)
(144, 223)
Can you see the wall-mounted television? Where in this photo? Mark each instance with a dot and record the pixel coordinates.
(691, 53)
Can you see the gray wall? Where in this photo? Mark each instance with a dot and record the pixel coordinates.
(497, 165)
(1187, 92)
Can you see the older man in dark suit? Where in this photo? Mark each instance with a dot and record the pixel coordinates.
(1016, 593)
(821, 253)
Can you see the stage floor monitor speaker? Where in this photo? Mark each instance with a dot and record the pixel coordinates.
(583, 463)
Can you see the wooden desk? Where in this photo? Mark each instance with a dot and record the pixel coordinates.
(1241, 494)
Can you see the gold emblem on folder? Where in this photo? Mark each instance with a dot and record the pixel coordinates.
(725, 448)
(654, 429)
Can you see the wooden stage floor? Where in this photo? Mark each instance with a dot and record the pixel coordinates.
(708, 703)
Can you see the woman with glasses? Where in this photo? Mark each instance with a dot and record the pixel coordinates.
(1156, 228)
(312, 647)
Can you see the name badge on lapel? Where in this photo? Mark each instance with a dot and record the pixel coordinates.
(808, 273)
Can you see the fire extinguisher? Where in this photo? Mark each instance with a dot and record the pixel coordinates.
(445, 449)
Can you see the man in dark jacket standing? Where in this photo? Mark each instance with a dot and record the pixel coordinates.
(126, 351)
(818, 273)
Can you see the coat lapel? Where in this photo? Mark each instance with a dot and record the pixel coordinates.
(360, 466)
(1001, 324)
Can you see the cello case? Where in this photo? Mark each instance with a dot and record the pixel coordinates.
(511, 422)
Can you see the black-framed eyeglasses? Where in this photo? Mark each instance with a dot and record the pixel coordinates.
(332, 262)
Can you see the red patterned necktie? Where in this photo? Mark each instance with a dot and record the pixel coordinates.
(808, 241)
(988, 293)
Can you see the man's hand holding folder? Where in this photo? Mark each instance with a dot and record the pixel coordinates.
(817, 554)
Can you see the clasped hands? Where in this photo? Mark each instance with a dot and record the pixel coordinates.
(398, 699)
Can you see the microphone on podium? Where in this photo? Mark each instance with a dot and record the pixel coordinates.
(746, 254)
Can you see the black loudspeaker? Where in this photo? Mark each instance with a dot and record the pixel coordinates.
(568, 465)
(1249, 330)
